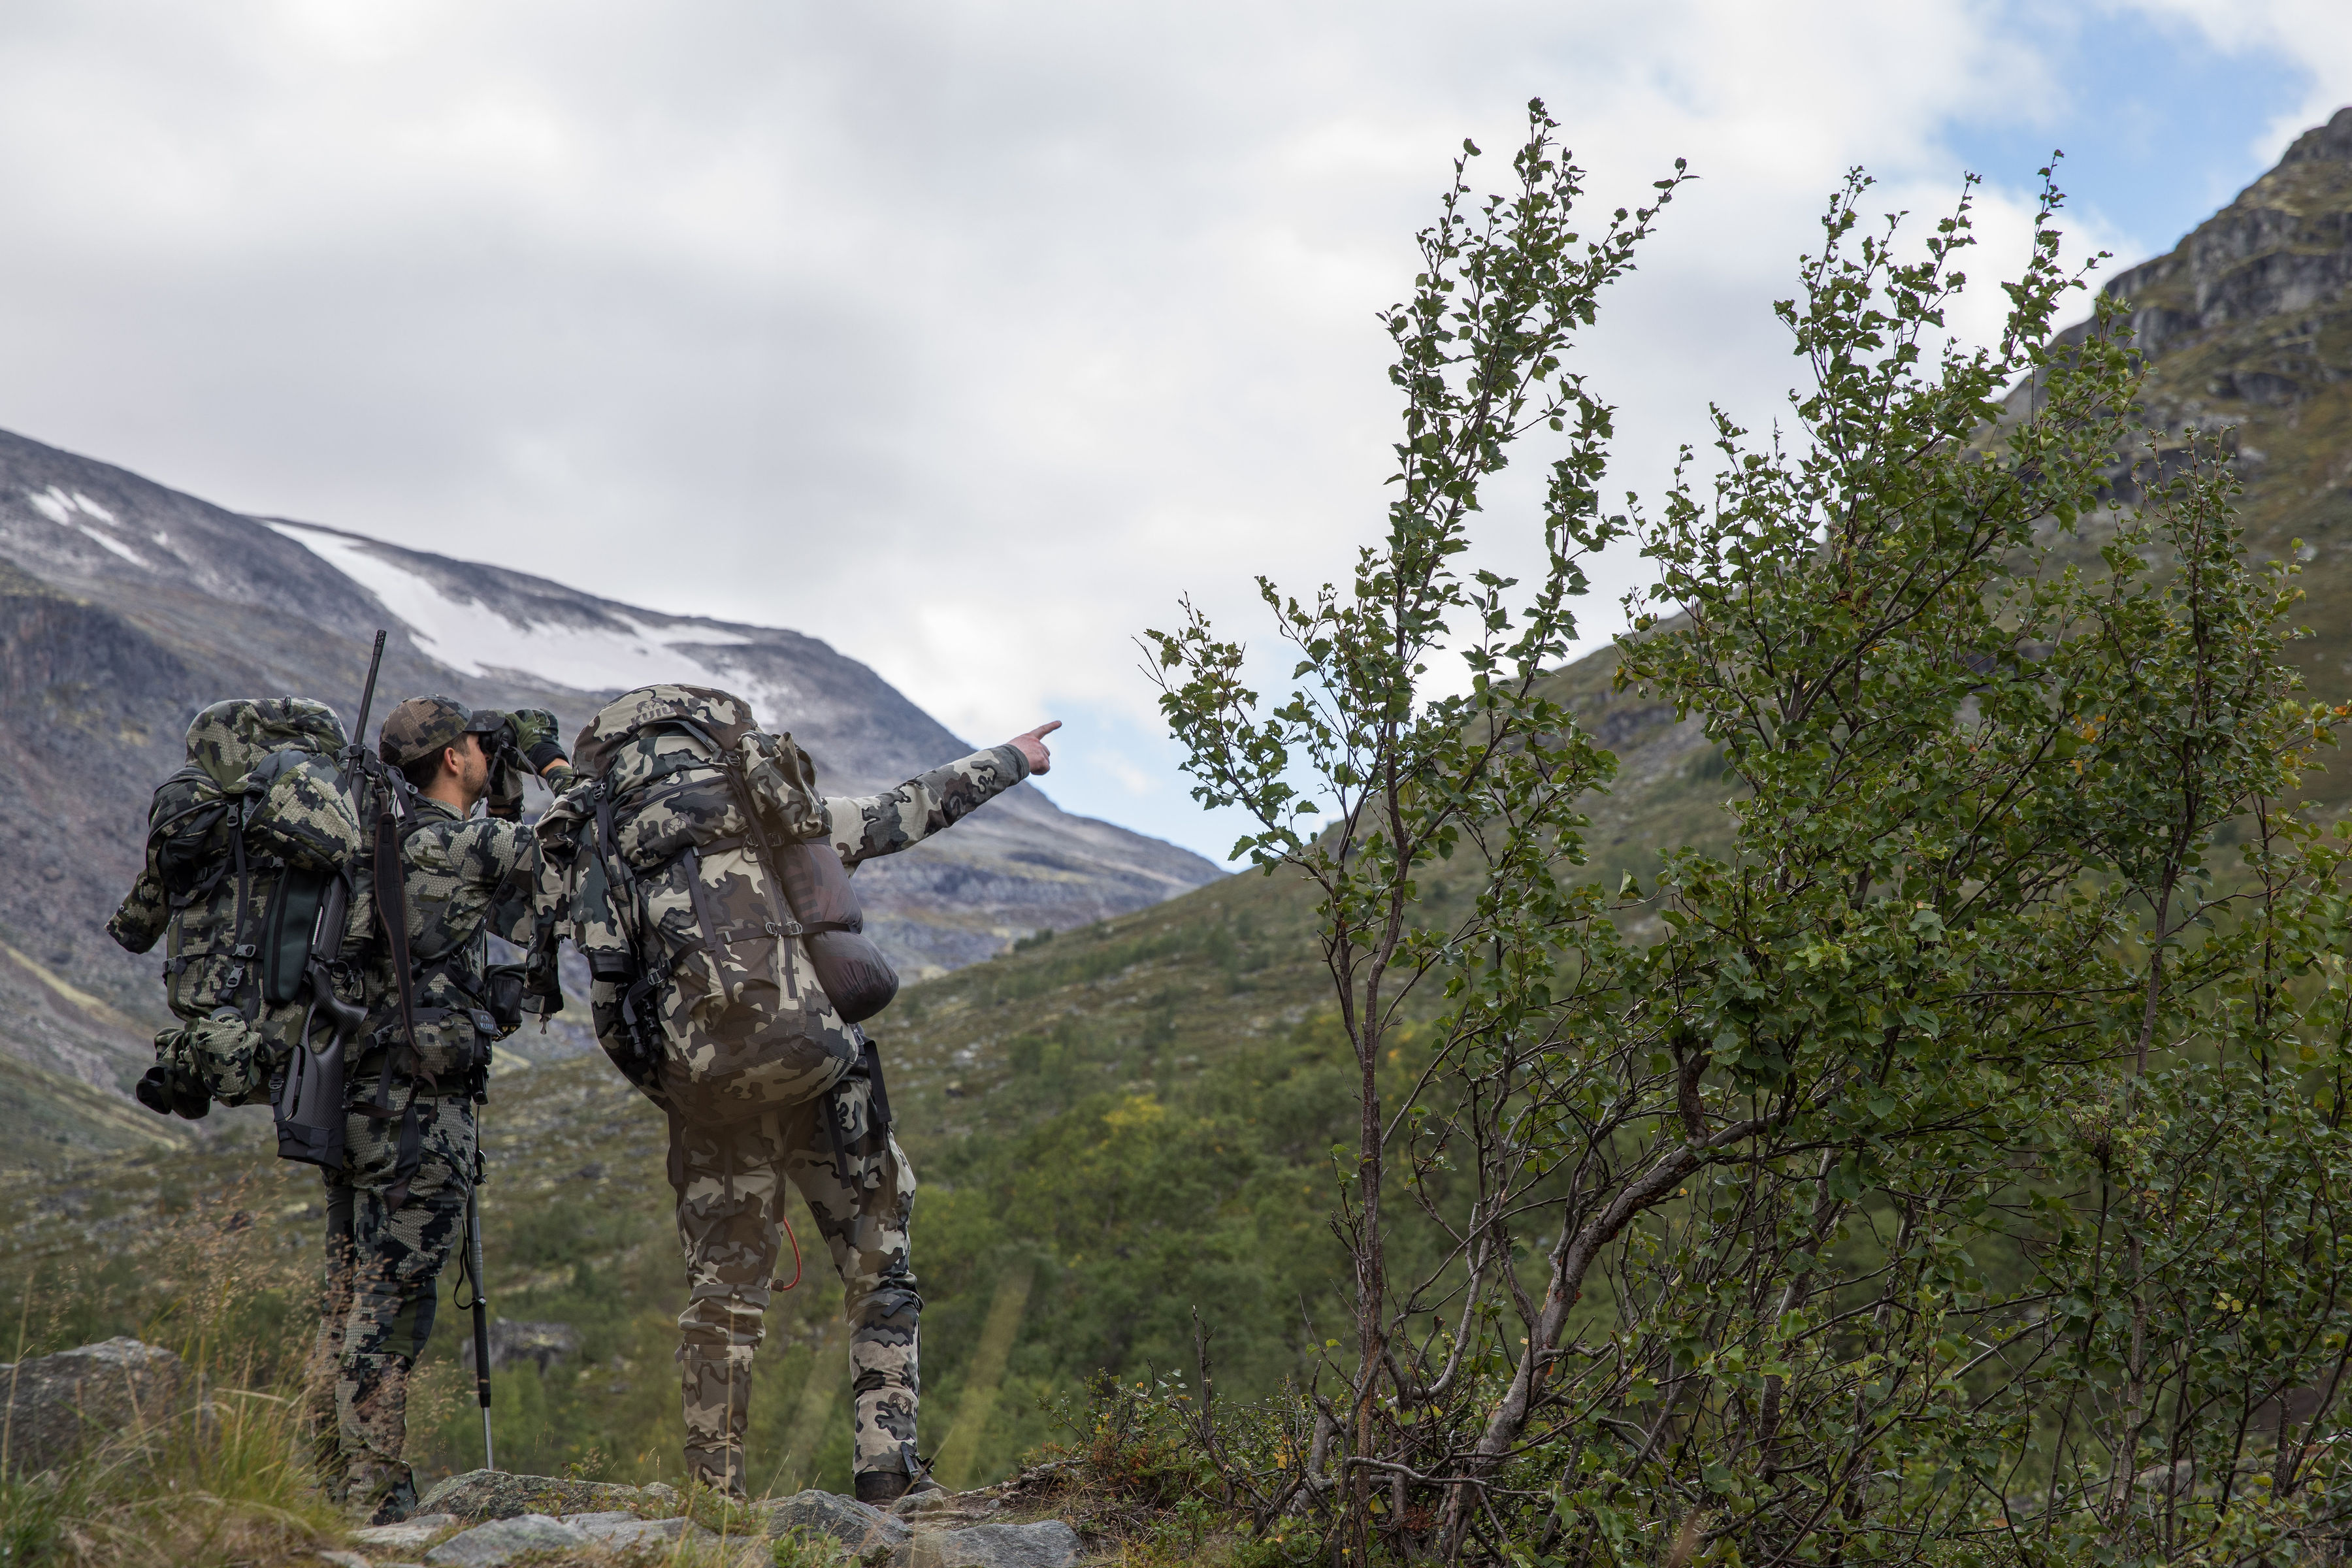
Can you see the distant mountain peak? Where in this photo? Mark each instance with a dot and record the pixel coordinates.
(2330, 143)
(2285, 245)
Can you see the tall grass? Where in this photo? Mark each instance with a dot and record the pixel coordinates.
(218, 1475)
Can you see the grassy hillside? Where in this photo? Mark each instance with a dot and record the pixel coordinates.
(1112, 1127)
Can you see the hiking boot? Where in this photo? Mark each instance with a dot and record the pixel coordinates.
(397, 1504)
(881, 1488)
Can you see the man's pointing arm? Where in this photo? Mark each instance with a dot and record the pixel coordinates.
(869, 825)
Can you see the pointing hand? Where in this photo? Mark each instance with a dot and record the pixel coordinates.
(1031, 745)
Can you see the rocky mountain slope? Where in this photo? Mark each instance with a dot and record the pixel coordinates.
(125, 606)
(2247, 324)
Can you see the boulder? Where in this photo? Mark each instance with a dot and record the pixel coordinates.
(410, 1537)
(1049, 1543)
(512, 1341)
(619, 1532)
(861, 1527)
(478, 1495)
(503, 1540)
(55, 1402)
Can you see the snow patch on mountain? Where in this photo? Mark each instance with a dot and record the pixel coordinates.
(472, 639)
(60, 507)
(103, 543)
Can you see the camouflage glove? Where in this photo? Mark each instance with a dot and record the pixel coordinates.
(505, 798)
(535, 734)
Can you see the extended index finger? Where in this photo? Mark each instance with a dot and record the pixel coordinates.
(1047, 728)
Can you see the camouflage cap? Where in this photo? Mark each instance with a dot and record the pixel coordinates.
(423, 725)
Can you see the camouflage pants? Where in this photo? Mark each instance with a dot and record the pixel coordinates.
(730, 1192)
(382, 1267)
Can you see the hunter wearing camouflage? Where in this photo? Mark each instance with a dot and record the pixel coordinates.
(730, 1177)
(763, 1079)
(398, 1206)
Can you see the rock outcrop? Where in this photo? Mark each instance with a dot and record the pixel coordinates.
(2284, 245)
(58, 1404)
(478, 1495)
(488, 1519)
(542, 1344)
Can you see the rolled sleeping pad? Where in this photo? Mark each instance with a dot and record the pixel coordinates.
(857, 978)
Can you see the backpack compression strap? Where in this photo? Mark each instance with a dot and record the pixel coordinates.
(245, 953)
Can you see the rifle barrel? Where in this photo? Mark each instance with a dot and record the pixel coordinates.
(367, 692)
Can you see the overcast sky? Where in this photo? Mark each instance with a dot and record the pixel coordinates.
(966, 336)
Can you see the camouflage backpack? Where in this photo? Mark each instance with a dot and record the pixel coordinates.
(250, 850)
(684, 869)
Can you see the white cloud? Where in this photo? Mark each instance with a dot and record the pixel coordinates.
(962, 335)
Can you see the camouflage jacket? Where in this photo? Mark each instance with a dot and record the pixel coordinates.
(864, 826)
(466, 876)
(744, 1021)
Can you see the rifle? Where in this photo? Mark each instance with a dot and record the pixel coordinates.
(309, 1099)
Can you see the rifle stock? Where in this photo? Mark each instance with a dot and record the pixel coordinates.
(308, 1100)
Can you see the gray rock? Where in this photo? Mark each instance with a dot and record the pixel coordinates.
(56, 1401)
(494, 1494)
(503, 1540)
(510, 1341)
(414, 1534)
(859, 1526)
(624, 1530)
(595, 1522)
(915, 1505)
(1048, 1544)
(344, 1560)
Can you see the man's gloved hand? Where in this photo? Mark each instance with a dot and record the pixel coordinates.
(504, 799)
(534, 731)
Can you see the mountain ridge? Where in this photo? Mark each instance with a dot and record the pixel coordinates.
(126, 605)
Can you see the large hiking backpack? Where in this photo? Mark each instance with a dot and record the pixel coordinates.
(694, 870)
(250, 853)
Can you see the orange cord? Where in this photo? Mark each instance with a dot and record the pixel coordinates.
(796, 1256)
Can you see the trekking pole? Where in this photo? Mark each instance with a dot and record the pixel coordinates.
(482, 1308)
